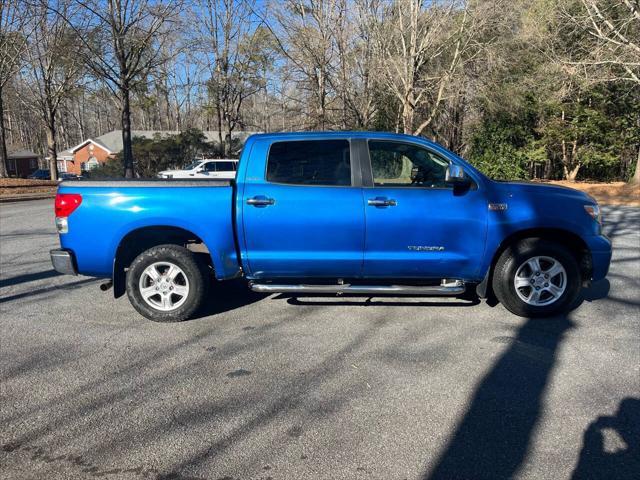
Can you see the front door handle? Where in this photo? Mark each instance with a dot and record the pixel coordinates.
(260, 201)
(382, 202)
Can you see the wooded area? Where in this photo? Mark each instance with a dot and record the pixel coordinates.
(546, 89)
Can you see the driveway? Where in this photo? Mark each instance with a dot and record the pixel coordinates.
(279, 387)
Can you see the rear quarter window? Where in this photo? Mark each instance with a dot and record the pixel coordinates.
(226, 166)
(310, 162)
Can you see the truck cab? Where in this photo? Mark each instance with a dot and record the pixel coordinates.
(339, 212)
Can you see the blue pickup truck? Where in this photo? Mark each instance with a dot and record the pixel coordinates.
(334, 213)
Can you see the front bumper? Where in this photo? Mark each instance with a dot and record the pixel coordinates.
(600, 247)
(63, 261)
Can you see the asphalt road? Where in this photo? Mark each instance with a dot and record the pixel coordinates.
(266, 387)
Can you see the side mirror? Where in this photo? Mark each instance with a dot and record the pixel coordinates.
(455, 175)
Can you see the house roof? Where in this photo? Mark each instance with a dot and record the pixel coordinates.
(22, 154)
(65, 154)
(112, 141)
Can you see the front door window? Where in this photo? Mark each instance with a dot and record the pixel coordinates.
(405, 165)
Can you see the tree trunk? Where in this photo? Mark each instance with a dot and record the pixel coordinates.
(220, 132)
(407, 118)
(3, 142)
(52, 148)
(636, 176)
(127, 149)
(571, 174)
(546, 172)
(322, 97)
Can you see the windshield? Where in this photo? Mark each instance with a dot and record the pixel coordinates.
(192, 165)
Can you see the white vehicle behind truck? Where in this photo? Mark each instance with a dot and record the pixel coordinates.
(222, 168)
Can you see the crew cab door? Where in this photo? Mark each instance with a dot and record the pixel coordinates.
(416, 225)
(302, 212)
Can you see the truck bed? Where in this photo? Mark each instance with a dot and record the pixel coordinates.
(112, 209)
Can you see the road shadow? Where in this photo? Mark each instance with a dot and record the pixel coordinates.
(234, 294)
(611, 445)
(226, 296)
(492, 439)
(27, 277)
(48, 289)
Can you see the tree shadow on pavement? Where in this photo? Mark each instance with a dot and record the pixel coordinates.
(599, 460)
(27, 277)
(492, 439)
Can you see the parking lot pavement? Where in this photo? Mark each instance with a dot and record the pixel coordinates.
(265, 387)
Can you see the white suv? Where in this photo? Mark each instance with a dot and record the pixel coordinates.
(224, 168)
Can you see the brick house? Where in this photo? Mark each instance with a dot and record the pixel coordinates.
(88, 154)
(22, 163)
(95, 151)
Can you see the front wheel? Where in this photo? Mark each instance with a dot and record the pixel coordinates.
(166, 283)
(537, 278)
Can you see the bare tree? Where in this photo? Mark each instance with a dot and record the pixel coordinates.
(53, 67)
(355, 78)
(419, 47)
(13, 43)
(304, 31)
(235, 51)
(617, 33)
(609, 49)
(123, 41)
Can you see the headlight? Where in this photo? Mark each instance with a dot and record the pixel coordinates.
(594, 212)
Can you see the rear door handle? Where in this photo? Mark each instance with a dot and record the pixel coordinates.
(260, 201)
(382, 202)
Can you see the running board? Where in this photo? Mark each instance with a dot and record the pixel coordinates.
(450, 288)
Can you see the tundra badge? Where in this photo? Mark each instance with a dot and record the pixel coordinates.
(425, 248)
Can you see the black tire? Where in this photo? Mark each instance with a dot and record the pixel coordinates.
(514, 256)
(194, 271)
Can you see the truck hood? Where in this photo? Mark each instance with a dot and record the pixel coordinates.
(172, 172)
(560, 192)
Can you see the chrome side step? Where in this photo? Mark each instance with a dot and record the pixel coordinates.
(446, 288)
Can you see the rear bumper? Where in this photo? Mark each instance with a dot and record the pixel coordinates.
(600, 247)
(63, 261)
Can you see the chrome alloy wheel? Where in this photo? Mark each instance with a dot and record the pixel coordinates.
(540, 281)
(164, 286)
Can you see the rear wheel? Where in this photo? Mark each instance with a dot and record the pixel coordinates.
(537, 278)
(166, 283)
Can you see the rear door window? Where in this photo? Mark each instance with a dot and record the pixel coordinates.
(226, 166)
(310, 162)
(210, 167)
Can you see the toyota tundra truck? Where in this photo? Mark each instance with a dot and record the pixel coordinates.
(329, 213)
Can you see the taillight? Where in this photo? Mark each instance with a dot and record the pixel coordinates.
(66, 203)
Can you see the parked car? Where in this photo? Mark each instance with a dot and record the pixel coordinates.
(68, 176)
(219, 168)
(40, 175)
(332, 213)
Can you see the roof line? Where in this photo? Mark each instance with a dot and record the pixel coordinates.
(83, 143)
